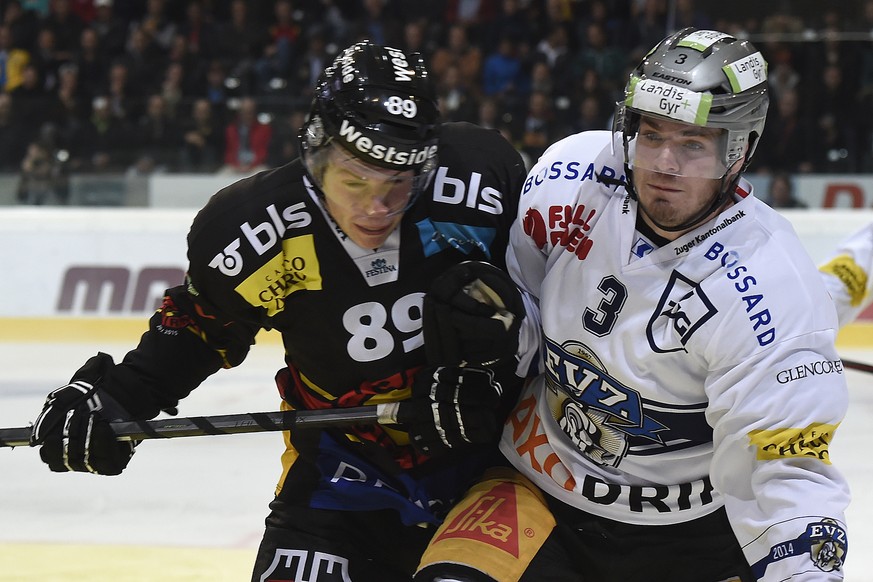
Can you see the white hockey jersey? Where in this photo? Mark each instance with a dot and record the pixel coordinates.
(847, 274)
(683, 378)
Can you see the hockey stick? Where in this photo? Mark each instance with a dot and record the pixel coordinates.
(861, 367)
(229, 423)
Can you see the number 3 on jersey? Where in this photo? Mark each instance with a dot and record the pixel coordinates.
(368, 325)
(601, 321)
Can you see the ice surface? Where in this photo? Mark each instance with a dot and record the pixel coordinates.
(212, 492)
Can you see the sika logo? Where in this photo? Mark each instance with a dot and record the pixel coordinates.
(491, 519)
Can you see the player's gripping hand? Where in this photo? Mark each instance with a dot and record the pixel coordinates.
(472, 315)
(73, 430)
(451, 407)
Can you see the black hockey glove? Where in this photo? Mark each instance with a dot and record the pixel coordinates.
(472, 315)
(73, 430)
(451, 407)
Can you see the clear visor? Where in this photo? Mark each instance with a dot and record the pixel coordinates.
(678, 149)
(362, 189)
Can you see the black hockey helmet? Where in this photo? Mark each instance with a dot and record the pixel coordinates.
(379, 104)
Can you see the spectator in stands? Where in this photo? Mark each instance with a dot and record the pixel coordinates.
(512, 20)
(539, 130)
(502, 73)
(193, 69)
(475, 15)
(46, 58)
(111, 30)
(316, 56)
(590, 116)
(91, 62)
(281, 45)
(555, 50)
(786, 143)
(200, 31)
(607, 61)
(688, 14)
(488, 113)
(589, 85)
(105, 143)
(458, 51)
(12, 141)
(122, 92)
(157, 139)
(30, 100)
(143, 59)
(22, 25)
(377, 24)
(214, 90)
(455, 101)
(42, 180)
(12, 61)
(202, 139)
(246, 140)
(284, 140)
(243, 42)
(415, 39)
(172, 88)
(69, 105)
(157, 25)
(781, 192)
(66, 27)
(334, 18)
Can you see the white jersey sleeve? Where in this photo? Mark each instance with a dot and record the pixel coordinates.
(681, 379)
(847, 274)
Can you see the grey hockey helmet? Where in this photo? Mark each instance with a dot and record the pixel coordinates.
(378, 105)
(704, 78)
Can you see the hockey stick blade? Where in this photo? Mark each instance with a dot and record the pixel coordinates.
(228, 424)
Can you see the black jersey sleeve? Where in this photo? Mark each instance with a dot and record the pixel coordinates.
(202, 326)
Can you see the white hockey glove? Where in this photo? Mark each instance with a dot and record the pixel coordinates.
(73, 430)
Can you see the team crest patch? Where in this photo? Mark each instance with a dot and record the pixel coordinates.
(823, 542)
(828, 545)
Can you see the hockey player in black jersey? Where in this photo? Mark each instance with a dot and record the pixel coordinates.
(337, 251)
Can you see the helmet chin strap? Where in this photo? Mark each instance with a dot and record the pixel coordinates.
(728, 184)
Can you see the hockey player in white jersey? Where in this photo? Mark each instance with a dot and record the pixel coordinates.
(691, 386)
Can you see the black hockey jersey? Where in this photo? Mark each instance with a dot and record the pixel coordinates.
(264, 254)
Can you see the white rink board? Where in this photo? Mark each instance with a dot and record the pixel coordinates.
(39, 247)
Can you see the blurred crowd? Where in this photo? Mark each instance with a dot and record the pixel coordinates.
(144, 86)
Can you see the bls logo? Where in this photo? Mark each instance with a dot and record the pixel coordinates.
(297, 565)
(261, 237)
(456, 191)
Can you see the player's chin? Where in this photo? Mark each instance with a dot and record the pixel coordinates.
(371, 236)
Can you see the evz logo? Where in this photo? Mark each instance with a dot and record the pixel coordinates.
(596, 411)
